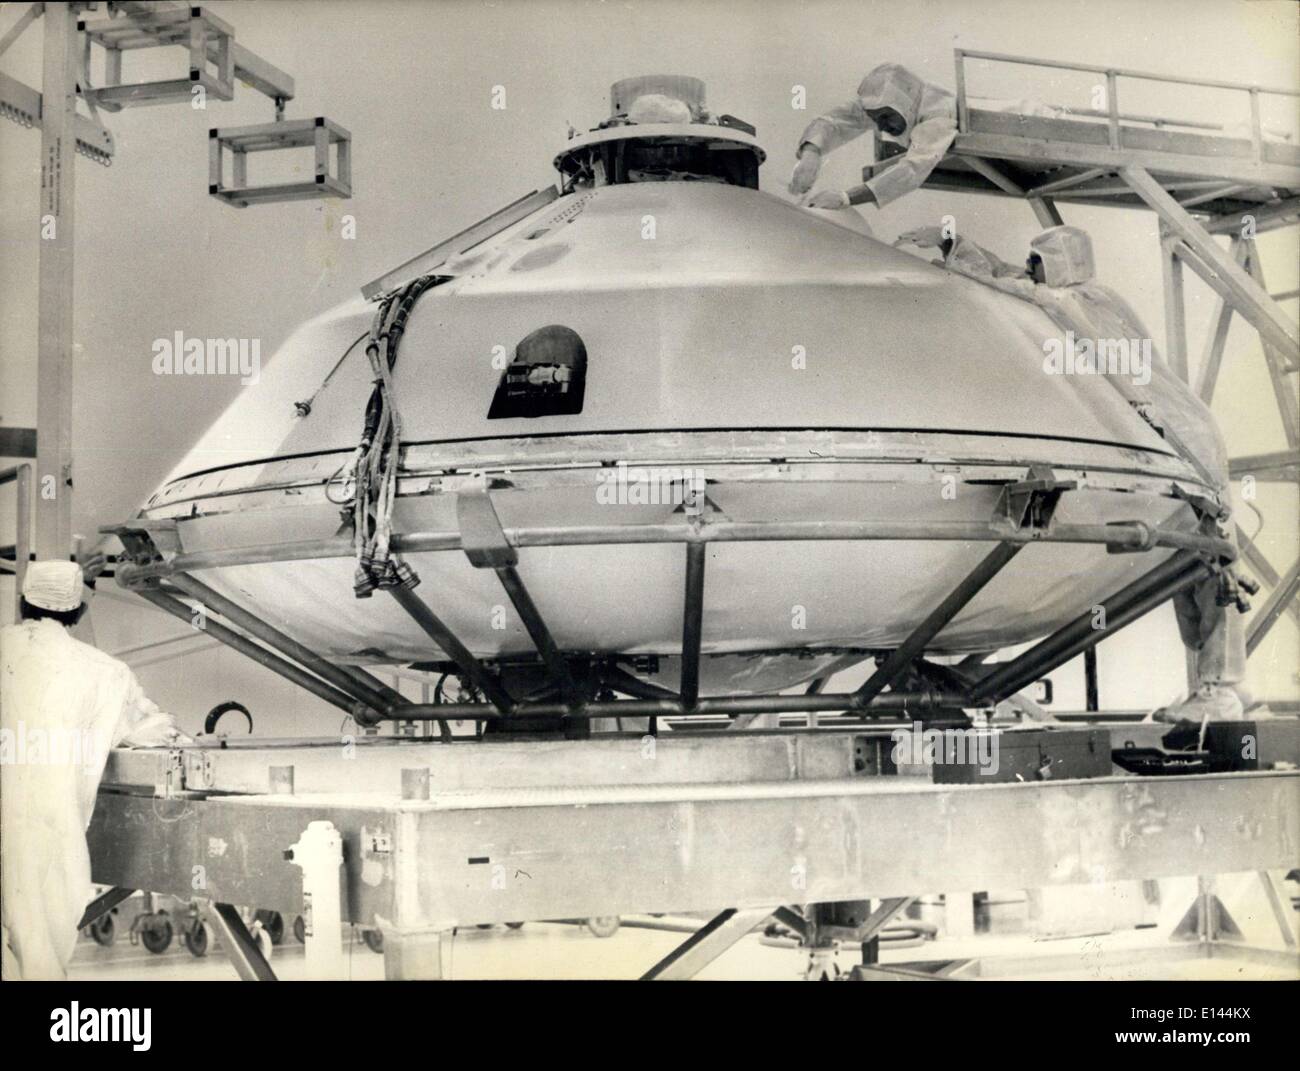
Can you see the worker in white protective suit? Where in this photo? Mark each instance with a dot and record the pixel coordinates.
(63, 705)
(960, 254)
(919, 118)
(1213, 633)
(1059, 276)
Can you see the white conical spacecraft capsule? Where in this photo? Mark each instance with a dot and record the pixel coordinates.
(662, 350)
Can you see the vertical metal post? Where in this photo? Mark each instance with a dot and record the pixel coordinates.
(21, 476)
(963, 109)
(321, 144)
(1171, 269)
(1092, 702)
(54, 317)
(1256, 128)
(1112, 107)
(692, 623)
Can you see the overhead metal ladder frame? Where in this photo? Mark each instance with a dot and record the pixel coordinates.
(208, 40)
(1202, 184)
(146, 25)
(216, 62)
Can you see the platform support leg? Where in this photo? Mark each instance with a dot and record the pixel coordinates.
(707, 943)
(413, 956)
(103, 904)
(1207, 920)
(959, 914)
(240, 945)
(1280, 904)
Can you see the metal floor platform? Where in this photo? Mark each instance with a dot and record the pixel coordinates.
(439, 836)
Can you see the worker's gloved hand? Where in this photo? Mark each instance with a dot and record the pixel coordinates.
(924, 237)
(155, 730)
(805, 171)
(832, 199)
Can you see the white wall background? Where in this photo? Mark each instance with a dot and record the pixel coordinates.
(412, 81)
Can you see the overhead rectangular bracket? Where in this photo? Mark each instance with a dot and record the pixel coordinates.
(208, 39)
(319, 134)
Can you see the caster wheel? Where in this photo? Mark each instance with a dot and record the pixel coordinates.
(514, 925)
(156, 934)
(300, 930)
(273, 923)
(197, 939)
(374, 940)
(483, 925)
(103, 930)
(604, 925)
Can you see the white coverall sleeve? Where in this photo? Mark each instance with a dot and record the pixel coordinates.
(930, 140)
(142, 723)
(837, 127)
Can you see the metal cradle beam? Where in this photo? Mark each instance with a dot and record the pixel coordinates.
(486, 546)
(1121, 609)
(351, 681)
(257, 653)
(896, 664)
(474, 670)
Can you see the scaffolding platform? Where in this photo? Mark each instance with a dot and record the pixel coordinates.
(1203, 181)
(1081, 156)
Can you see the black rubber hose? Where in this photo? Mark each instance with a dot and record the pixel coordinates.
(214, 715)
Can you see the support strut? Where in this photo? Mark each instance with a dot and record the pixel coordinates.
(1181, 571)
(257, 653)
(896, 664)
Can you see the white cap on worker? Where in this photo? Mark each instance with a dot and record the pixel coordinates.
(53, 585)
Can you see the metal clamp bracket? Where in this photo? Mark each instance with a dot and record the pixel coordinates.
(482, 537)
(1031, 502)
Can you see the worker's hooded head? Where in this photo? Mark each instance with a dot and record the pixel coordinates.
(1066, 253)
(892, 87)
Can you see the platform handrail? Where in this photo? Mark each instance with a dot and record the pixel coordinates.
(1112, 76)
